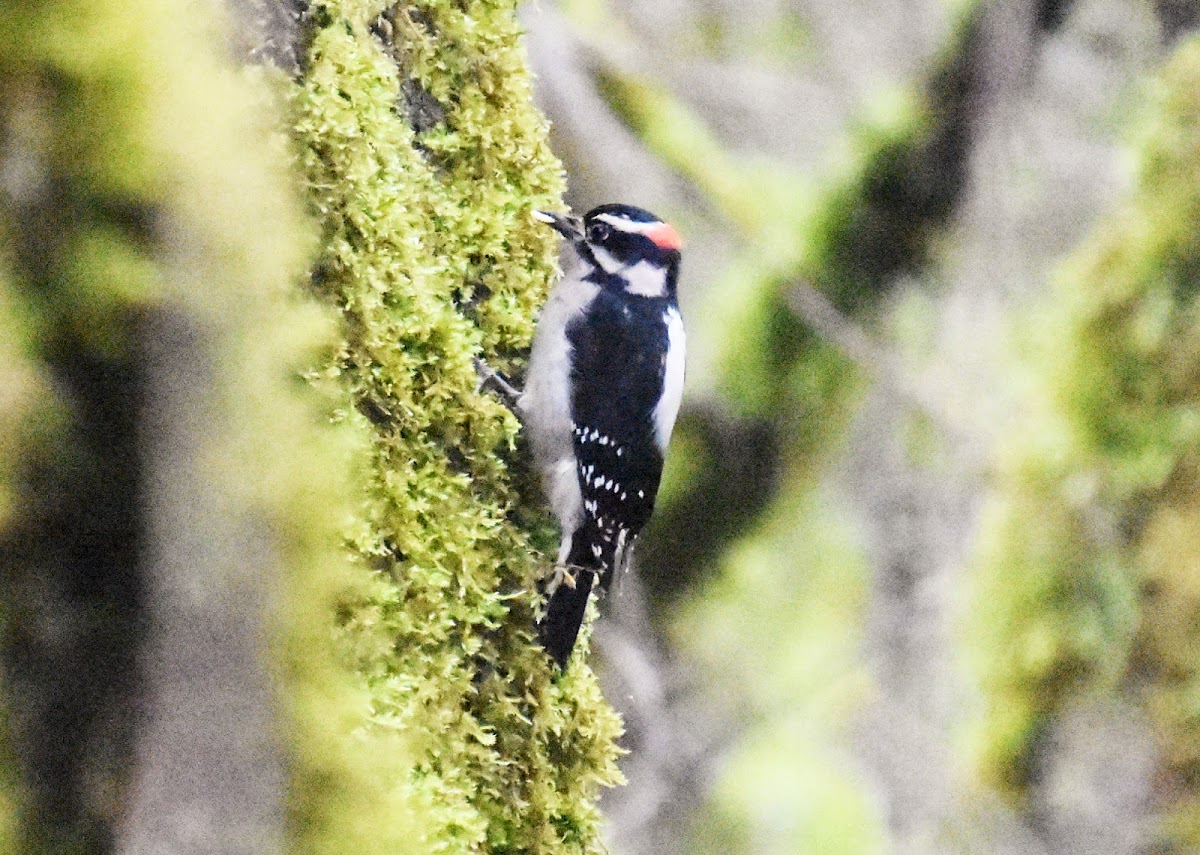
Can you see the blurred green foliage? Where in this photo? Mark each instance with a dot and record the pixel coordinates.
(147, 178)
(791, 675)
(22, 397)
(424, 157)
(785, 393)
(1088, 554)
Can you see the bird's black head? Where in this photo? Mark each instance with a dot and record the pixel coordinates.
(628, 248)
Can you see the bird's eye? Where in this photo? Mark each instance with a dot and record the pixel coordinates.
(599, 232)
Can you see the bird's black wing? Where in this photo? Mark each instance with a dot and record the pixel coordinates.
(619, 365)
(618, 370)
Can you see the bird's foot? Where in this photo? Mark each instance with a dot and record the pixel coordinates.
(562, 576)
(491, 379)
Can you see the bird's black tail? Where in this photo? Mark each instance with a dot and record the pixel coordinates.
(564, 616)
(592, 554)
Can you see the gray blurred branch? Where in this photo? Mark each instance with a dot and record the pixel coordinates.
(676, 742)
(207, 772)
(816, 310)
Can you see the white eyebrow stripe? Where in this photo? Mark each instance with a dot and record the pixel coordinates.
(627, 225)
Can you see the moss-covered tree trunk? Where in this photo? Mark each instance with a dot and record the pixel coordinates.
(1088, 548)
(425, 156)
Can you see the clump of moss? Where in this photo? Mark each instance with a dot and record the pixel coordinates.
(424, 157)
(1089, 555)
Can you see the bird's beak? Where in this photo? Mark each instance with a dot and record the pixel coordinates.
(566, 225)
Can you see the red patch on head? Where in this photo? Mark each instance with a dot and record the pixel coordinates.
(664, 236)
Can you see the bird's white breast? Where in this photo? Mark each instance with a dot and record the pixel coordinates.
(546, 401)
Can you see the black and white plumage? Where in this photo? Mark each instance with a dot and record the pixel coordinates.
(601, 396)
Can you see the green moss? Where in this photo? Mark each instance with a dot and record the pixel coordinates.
(424, 157)
(1059, 621)
(1087, 562)
(24, 398)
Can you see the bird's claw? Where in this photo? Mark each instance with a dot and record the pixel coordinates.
(562, 576)
(490, 378)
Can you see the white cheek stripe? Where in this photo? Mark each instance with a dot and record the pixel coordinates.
(607, 261)
(644, 279)
(668, 405)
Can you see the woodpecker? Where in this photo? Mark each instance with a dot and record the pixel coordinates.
(601, 395)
